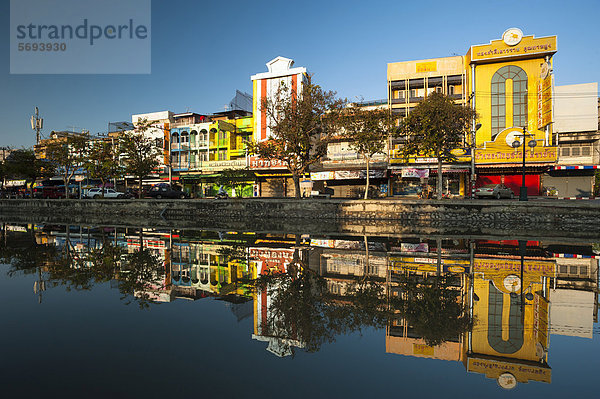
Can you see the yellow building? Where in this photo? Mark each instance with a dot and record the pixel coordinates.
(509, 339)
(409, 83)
(509, 83)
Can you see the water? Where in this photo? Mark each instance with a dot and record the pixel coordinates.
(85, 312)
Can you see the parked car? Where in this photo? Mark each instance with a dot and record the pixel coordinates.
(494, 191)
(166, 191)
(108, 193)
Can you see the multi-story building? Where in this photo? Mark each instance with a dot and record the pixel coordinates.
(409, 83)
(576, 126)
(273, 178)
(343, 170)
(509, 83)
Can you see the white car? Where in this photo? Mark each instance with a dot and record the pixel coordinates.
(108, 193)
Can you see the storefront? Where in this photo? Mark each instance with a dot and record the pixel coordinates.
(571, 181)
(351, 183)
(498, 162)
(416, 181)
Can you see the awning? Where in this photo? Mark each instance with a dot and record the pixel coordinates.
(574, 167)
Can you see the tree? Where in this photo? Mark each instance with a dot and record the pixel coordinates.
(367, 132)
(436, 127)
(103, 161)
(140, 153)
(23, 164)
(301, 127)
(67, 155)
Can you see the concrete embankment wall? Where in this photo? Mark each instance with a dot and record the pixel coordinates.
(560, 218)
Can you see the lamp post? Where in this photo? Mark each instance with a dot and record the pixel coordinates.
(516, 144)
(476, 128)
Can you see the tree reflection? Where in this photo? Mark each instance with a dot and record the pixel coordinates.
(433, 306)
(302, 308)
(137, 273)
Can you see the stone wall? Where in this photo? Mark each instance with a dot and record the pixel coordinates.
(537, 218)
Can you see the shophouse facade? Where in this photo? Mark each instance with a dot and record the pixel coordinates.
(408, 84)
(509, 83)
(273, 178)
(576, 127)
(511, 87)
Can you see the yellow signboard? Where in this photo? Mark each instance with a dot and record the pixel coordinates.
(500, 150)
(544, 101)
(528, 46)
(430, 66)
(522, 372)
(461, 156)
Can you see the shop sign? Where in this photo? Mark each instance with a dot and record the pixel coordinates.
(327, 175)
(460, 154)
(14, 183)
(545, 268)
(522, 372)
(527, 46)
(544, 97)
(358, 174)
(415, 173)
(429, 66)
(500, 150)
(259, 163)
(221, 165)
(410, 247)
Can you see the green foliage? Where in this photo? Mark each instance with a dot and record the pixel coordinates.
(367, 132)
(140, 153)
(23, 164)
(432, 306)
(434, 128)
(302, 308)
(301, 127)
(67, 156)
(102, 161)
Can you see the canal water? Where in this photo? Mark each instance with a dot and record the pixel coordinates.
(139, 312)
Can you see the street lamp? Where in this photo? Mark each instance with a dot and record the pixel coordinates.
(516, 144)
(476, 128)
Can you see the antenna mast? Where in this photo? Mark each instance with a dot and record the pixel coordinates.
(37, 124)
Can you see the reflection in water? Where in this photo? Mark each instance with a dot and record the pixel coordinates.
(483, 303)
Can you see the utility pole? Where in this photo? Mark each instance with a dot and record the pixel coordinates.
(37, 124)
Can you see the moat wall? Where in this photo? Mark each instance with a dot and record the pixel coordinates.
(546, 218)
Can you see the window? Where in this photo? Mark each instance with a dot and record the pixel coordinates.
(576, 150)
(563, 269)
(438, 89)
(519, 97)
(572, 269)
(450, 90)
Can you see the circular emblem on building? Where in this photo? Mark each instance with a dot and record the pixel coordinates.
(544, 70)
(507, 381)
(512, 36)
(512, 283)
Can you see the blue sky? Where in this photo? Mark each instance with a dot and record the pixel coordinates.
(203, 51)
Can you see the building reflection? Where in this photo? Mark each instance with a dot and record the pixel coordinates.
(497, 303)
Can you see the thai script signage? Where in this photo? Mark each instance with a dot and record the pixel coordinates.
(500, 150)
(544, 97)
(259, 163)
(528, 46)
(429, 66)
